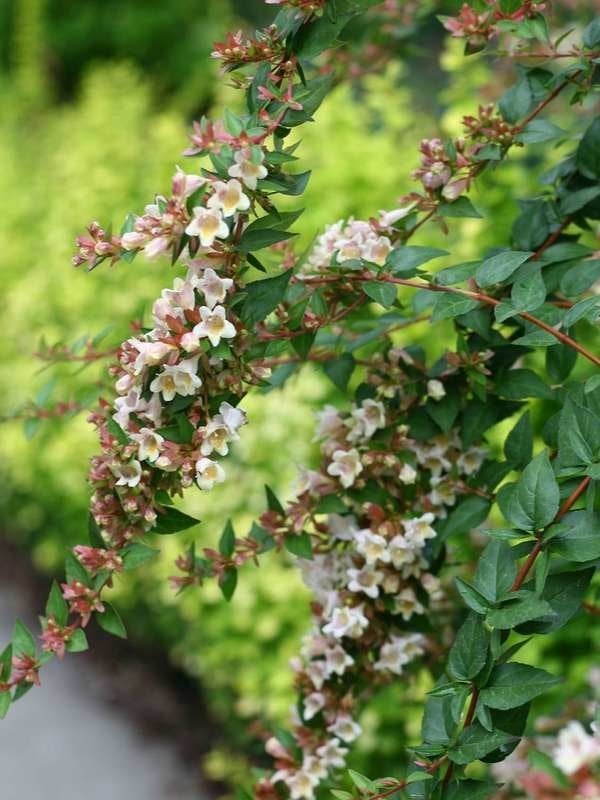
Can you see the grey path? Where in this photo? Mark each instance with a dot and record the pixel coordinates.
(63, 742)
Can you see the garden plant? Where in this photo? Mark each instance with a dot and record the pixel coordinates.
(382, 527)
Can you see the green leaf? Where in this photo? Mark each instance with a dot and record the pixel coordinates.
(511, 685)
(516, 612)
(273, 503)
(318, 36)
(518, 447)
(578, 435)
(473, 599)
(471, 790)
(456, 274)
(5, 702)
(263, 297)
(461, 207)
(496, 570)
(75, 571)
(78, 642)
(529, 290)
(111, 622)
(382, 293)
(539, 130)
(591, 34)
(300, 545)
(517, 101)
(518, 384)
(137, 554)
(467, 515)
(23, 642)
(339, 370)
(580, 277)
(581, 542)
(475, 742)
(468, 654)
(403, 260)
(6, 663)
(564, 593)
(498, 268)
(443, 412)
(171, 520)
(228, 582)
(536, 497)
(56, 606)
(580, 310)
(302, 344)
(227, 540)
(574, 201)
(449, 306)
(257, 239)
(361, 781)
(587, 157)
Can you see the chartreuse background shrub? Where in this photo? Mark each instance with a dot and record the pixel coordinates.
(96, 100)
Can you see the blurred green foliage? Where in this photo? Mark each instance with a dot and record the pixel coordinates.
(106, 153)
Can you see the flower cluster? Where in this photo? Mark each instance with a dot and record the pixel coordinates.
(239, 49)
(370, 572)
(478, 28)
(346, 241)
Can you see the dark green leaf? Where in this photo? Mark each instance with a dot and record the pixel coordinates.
(587, 158)
(577, 200)
(449, 306)
(518, 447)
(137, 554)
(383, 293)
(23, 642)
(111, 622)
(300, 545)
(461, 207)
(496, 570)
(228, 582)
(516, 612)
(339, 370)
(263, 297)
(529, 290)
(475, 742)
(513, 684)
(472, 598)
(56, 606)
(468, 654)
(257, 239)
(227, 540)
(78, 642)
(171, 520)
(498, 268)
(403, 260)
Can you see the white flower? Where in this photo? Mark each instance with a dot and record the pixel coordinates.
(418, 529)
(208, 473)
(372, 546)
(233, 418)
(190, 342)
(329, 422)
(442, 492)
(178, 379)
(149, 444)
(228, 198)
(398, 651)
(150, 353)
(317, 672)
(347, 621)
(389, 218)
(406, 604)
(332, 754)
(435, 389)
(470, 461)
(213, 287)
(345, 465)
(345, 728)
(157, 246)
(128, 474)
(575, 748)
(248, 167)
(365, 580)
(184, 185)
(407, 475)
(314, 766)
(433, 458)
(214, 325)
(367, 419)
(342, 527)
(301, 785)
(181, 295)
(215, 436)
(337, 659)
(401, 551)
(377, 250)
(208, 224)
(313, 704)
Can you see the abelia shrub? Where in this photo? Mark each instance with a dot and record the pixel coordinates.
(408, 470)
